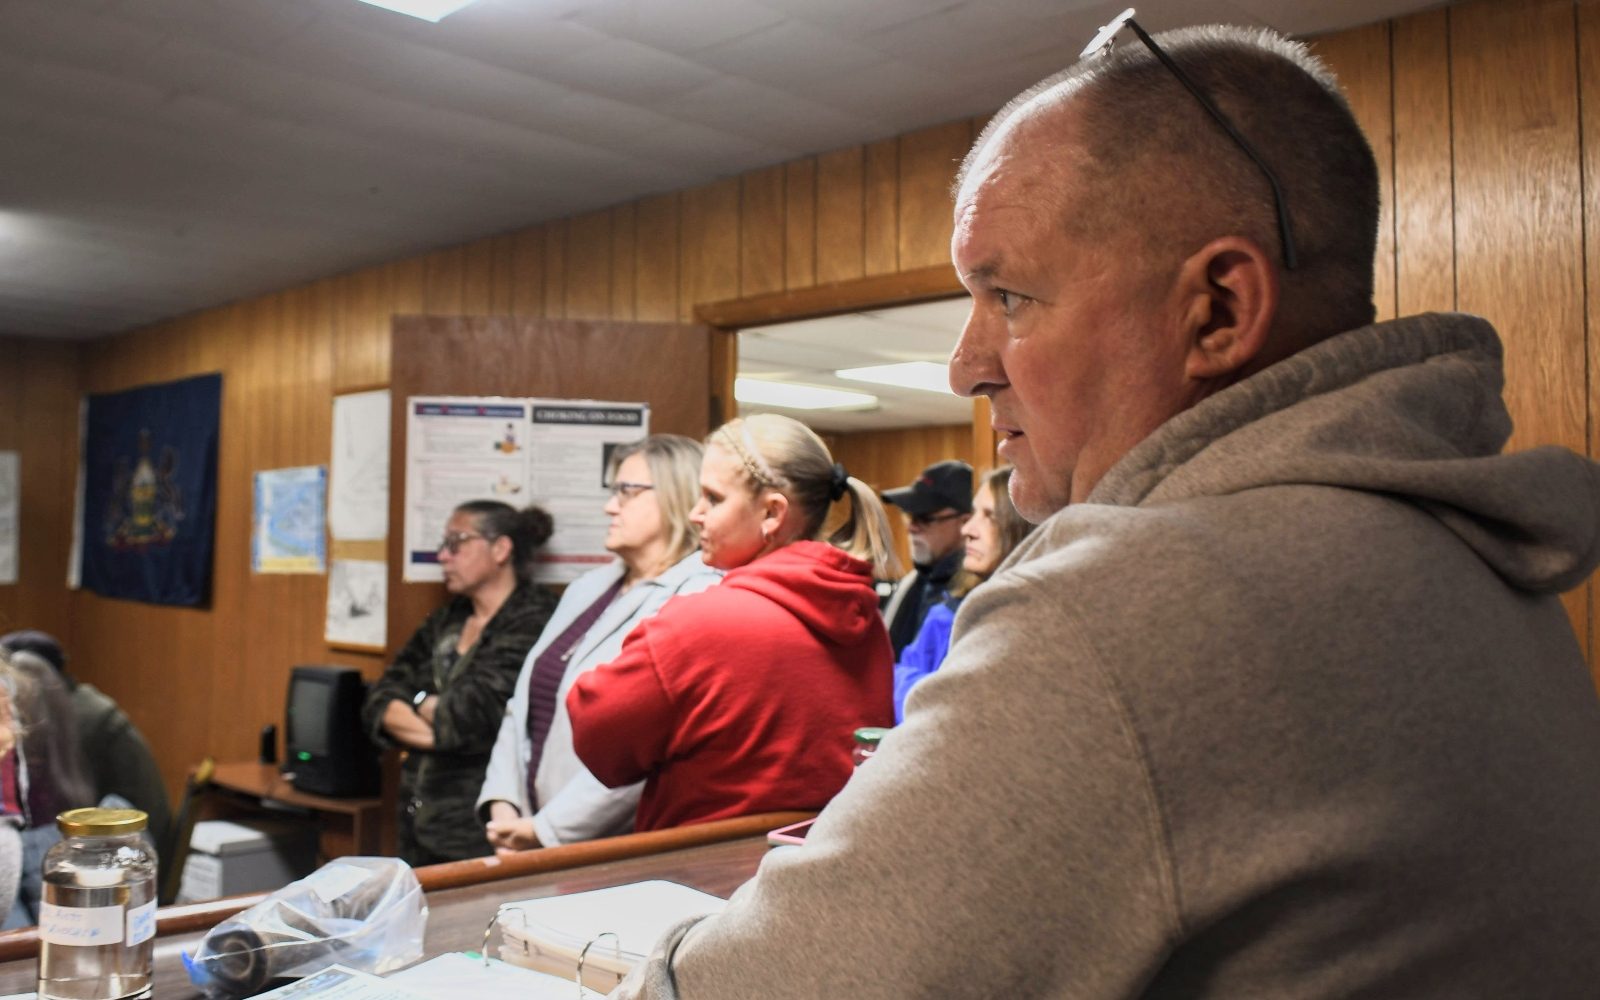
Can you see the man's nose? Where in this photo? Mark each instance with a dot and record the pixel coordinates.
(971, 360)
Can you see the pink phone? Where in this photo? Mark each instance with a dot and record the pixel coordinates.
(794, 833)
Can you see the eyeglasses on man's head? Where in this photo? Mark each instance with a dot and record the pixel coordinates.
(1103, 43)
(453, 541)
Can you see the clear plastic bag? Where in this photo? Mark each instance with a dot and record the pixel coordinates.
(365, 913)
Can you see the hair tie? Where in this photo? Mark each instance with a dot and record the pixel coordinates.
(839, 484)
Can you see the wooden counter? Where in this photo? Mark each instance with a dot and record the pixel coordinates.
(713, 857)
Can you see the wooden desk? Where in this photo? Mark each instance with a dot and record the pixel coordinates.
(344, 826)
(463, 894)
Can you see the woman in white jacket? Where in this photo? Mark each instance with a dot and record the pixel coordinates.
(536, 793)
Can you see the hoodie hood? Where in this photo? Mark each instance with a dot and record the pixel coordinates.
(1410, 408)
(827, 589)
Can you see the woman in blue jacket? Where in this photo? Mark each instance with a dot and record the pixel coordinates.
(993, 530)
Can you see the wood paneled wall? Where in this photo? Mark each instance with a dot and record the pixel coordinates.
(1477, 112)
(39, 421)
(500, 356)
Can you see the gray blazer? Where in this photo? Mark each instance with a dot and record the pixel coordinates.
(575, 805)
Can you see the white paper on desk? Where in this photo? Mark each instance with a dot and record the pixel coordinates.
(455, 975)
(638, 914)
(338, 981)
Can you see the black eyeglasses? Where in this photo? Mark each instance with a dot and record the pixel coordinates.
(452, 542)
(924, 520)
(1106, 39)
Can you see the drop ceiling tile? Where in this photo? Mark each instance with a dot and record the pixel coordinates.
(773, 117)
(893, 93)
(790, 55)
(712, 153)
(209, 149)
(628, 71)
(515, 35)
(968, 34)
(674, 26)
(854, 16)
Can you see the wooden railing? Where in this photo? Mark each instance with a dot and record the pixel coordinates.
(188, 917)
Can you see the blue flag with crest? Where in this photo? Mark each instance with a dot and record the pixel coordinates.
(150, 491)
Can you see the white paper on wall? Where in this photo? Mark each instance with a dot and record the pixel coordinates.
(358, 485)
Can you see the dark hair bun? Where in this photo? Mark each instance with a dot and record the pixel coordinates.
(534, 525)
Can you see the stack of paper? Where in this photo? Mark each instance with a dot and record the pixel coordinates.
(454, 975)
(450, 975)
(623, 923)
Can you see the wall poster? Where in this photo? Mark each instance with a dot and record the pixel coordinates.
(10, 510)
(358, 473)
(552, 452)
(358, 593)
(288, 530)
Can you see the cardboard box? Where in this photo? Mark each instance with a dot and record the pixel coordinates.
(227, 857)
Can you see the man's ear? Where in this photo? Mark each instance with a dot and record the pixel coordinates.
(1229, 296)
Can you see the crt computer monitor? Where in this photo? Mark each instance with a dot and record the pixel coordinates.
(325, 749)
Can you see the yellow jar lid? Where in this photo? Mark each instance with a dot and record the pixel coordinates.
(101, 822)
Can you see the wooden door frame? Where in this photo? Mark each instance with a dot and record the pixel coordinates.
(903, 288)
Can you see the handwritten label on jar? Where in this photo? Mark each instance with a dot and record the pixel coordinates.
(80, 925)
(141, 923)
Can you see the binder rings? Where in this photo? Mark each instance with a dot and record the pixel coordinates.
(609, 930)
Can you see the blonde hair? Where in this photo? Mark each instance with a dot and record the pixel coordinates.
(782, 454)
(14, 686)
(674, 463)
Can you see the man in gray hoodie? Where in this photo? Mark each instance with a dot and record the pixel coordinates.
(1284, 704)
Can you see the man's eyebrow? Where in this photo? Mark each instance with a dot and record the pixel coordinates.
(983, 272)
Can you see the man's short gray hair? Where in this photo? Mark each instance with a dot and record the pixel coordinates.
(1155, 167)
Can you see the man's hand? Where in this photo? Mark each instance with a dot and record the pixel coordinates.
(508, 831)
(406, 727)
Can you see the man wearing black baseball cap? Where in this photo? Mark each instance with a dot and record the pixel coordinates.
(935, 505)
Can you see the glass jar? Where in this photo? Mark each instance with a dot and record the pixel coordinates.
(866, 745)
(97, 918)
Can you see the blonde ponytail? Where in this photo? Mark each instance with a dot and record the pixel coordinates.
(780, 453)
(866, 535)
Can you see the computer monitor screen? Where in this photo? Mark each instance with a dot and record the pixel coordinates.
(310, 697)
(326, 748)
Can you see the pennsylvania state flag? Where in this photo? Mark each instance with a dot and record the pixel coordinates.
(150, 491)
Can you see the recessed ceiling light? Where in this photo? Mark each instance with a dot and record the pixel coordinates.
(428, 10)
(793, 396)
(930, 376)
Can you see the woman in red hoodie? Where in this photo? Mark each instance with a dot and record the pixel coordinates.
(741, 699)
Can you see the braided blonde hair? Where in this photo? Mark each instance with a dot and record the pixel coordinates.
(781, 454)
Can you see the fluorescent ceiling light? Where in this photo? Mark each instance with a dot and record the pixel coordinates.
(428, 10)
(792, 396)
(929, 376)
